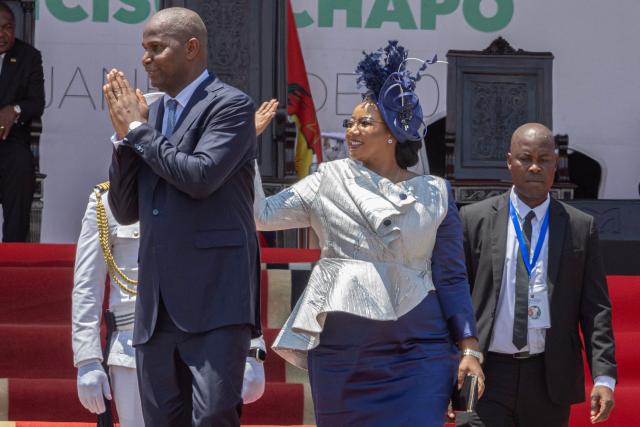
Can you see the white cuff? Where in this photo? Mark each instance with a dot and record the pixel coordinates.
(115, 141)
(134, 125)
(89, 365)
(605, 381)
(258, 343)
(86, 362)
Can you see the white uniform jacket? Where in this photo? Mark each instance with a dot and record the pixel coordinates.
(90, 281)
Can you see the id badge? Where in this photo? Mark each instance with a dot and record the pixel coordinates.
(538, 312)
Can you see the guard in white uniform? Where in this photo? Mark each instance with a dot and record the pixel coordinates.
(108, 248)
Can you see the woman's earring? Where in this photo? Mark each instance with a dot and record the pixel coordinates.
(389, 141)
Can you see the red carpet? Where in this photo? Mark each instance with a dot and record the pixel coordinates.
(37, 379)
(36, 370)
(56, 400)
(53, 424)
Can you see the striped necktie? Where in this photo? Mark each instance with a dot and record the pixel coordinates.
(520, 312)
(172, 107)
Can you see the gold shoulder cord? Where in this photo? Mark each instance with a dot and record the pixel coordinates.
(126, 283)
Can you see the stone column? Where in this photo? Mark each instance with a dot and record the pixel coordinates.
(247, 49)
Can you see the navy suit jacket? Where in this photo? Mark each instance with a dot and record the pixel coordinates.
(193, 195)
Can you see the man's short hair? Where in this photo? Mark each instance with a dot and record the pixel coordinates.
(4, 7)
(182, 24)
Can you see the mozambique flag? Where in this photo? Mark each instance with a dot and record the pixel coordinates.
(300, 104)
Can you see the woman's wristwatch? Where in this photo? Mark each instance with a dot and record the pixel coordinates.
(477, 354)
(259, 354)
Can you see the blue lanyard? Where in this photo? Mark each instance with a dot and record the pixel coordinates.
(524, 250)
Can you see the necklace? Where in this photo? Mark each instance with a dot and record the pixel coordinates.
(397, 176)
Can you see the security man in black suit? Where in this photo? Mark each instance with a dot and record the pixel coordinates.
(21, 101)
(537, 279)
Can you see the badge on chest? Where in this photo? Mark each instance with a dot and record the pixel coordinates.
(538, 310)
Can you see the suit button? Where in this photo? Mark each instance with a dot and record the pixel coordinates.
(155, 212)
(139, 148)
(403, 196)
(387, 222)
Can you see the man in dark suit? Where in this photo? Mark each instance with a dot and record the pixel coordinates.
(186, 173)
(21, 101)
(537, 276)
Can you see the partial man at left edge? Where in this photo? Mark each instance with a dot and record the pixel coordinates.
(21, 101)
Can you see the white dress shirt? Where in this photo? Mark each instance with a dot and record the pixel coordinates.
(2, 61)
(501, 339)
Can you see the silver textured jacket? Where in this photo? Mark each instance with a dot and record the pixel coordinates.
(376, 240)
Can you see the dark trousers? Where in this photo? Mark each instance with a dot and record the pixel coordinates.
(17, 181)
(515, 395)
(192, 379)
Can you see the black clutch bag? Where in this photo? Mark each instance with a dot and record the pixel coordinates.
(465, 399)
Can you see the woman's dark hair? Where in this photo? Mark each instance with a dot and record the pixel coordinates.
(407, 153)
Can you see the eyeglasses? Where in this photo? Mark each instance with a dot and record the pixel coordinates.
(362, 123)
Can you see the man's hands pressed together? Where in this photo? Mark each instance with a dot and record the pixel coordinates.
(125, 103)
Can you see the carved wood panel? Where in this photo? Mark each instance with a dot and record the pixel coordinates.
(495, 111)
(229, 44)
(246, 49)
(475, 193)
(489, 94)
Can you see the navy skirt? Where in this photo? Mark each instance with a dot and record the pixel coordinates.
(384, 373)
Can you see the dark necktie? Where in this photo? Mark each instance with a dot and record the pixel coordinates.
(172, 106)
(520, 316)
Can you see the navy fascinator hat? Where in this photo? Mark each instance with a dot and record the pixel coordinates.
(387, 81)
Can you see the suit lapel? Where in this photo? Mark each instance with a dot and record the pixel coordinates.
(156, 113)
(557, 228)
(198, 102)
(499, 221)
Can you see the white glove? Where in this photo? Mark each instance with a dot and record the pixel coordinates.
(93, 387)
(253, 384)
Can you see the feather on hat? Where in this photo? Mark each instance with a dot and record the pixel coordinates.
(392, 86)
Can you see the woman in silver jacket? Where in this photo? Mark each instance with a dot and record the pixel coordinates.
(387, 310)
